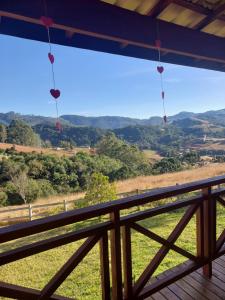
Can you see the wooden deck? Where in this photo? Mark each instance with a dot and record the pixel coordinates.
(196, 286)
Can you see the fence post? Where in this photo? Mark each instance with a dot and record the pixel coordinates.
(65, 205)
(209, 212)
(30, 212)
(116, 256)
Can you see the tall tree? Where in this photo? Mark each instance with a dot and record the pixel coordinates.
(3, 133)
(22, 134)
(17, 173)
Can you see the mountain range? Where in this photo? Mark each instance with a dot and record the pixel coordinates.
(216, 118)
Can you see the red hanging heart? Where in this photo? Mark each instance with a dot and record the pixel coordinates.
(55, 93)
(58, 126)
(160, 69)
(51, 58)
(163, 95)
(46, 21)
(158, 43)
(165, 119)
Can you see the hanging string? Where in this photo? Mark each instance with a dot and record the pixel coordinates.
(160, 70)
(48, 22)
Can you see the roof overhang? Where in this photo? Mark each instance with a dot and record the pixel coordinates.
(95, 25)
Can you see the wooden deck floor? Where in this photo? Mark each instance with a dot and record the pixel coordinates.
(195, 286)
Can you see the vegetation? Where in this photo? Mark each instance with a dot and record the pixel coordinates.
(28, 176)
(99, 189)
(3, 133)
(18, 132)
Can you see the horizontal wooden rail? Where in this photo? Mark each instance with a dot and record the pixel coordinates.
(121, 223)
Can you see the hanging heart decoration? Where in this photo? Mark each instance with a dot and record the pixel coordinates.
(158, 43)
(51, 58)
(160, 70)
(58, 126)
(55, 93)
(47, 22)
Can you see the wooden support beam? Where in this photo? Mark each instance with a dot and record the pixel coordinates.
(116, 267)
(209, 212)
(158, 8)
(211, 17)
(127, 262)
(84, 17)
(104, 265)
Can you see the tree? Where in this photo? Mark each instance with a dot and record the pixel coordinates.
(22, 134)
(99, 189)
(3, 198)
(3, 133)
(17, 173)
(115, 148)
(167, 165)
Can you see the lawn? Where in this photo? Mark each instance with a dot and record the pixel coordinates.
(84, 281)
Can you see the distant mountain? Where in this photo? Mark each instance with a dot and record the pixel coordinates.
(183, 131)
(32, 120)
(110, 122)
(216, 118)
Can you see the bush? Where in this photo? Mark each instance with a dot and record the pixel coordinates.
(99, 189)
(45, 188)
(3, 198)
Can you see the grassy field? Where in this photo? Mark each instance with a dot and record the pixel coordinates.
(59, 151)
(84, 281)
(153, 156)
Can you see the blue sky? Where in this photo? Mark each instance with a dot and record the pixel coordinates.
(95, 84)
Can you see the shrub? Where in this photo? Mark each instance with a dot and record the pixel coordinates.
(99, 189)
(3, 198)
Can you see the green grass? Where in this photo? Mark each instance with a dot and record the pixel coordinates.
(84, 281)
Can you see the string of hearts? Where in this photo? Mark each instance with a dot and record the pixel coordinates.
(55, 93)
(160, 70)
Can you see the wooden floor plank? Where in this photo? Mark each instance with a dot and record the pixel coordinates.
(169, 294)
(158, 296)
(177, 290)
(195, 285)
(192, 292)
(209, 284)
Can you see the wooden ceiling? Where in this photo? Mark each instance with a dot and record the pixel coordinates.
(204, 15)
(192, 32)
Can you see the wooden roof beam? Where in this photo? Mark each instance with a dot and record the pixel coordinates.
(158, 8)
(192, 6)
(95, 32)
(202, 10)
(211, 17)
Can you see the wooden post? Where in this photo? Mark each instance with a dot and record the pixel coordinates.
(200, 231)
(117, 293)
(209, 212)
(30, 212)
(127, 262)
(65, 205)
(104, 266)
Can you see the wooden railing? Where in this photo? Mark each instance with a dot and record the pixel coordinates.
(118, 229)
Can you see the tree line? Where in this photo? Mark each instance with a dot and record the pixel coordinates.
(27, 176)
